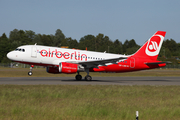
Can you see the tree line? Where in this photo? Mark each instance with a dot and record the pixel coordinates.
(101, 43)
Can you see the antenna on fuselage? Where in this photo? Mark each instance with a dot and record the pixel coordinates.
(35, 43)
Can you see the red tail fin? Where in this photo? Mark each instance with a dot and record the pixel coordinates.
(152, 47)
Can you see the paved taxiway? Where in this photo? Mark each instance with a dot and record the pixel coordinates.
(95, 81)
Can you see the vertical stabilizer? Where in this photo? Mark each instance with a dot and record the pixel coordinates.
(152, 47)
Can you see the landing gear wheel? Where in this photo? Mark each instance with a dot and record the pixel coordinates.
(30, 73)
(78, 77)
(88, 78)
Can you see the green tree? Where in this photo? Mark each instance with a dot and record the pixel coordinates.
(118, 47)
(72, 43)
(59, 37)
(125, 46)
(98, 42)
(24, 38)
(37, 39)
(19, 37)
(131, 50)
(14, 36)
(30, 35)
(132, 43)
(4, 48)
(130, 46)
(14, 39)
(87, 41)
(171, 45)
(46, 40)
(103, 43)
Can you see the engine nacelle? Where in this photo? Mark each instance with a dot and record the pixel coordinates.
(54, 70)
(68, 67)
(64, 67)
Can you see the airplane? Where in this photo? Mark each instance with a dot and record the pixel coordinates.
(69, 61)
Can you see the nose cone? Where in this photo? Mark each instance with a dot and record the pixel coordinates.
(10, 55)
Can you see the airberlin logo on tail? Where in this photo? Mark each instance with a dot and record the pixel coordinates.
(154, 45)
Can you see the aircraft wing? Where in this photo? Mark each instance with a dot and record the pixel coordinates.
(89, 64)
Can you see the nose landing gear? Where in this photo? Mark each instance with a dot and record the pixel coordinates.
(30, 72)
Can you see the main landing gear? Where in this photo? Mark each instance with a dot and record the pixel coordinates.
(30, 72)
(87, 77)
(78, 77)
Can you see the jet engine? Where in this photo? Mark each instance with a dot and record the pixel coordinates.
(65, 67)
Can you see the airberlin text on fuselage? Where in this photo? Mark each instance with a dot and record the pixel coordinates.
(66, 55)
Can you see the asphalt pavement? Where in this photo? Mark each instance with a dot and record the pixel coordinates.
(95, 81)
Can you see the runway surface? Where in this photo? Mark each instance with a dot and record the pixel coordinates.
(95, 81)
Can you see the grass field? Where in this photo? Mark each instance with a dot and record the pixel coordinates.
(88, 102)
(67, 102)
(41, 72)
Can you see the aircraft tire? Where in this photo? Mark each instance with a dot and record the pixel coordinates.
(30, 73)
(78, 77)
(88, 78)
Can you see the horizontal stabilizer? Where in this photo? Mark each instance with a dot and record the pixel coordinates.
(156, 63)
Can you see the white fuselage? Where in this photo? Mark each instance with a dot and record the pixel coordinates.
(43, 55)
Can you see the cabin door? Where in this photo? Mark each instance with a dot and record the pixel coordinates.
(34, 52)
(132, 62)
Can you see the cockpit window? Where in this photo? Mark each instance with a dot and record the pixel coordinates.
(20, 49)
